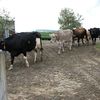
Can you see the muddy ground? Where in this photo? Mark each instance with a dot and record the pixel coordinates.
(73, 75)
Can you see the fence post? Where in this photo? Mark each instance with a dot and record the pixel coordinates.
(3, 89)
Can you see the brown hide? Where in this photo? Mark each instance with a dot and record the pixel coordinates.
(80, 33)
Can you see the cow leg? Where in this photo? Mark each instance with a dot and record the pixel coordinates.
(62, 46)
(78, 41)
(41, 49)
(70, 45)
(98, 37)
(82, 41)
(87, 39)
(26, 61)
(38, 47)
(12, 61)
(73, 40)
(94, 41)
(59, 47)
(41, 53)
(35, 55)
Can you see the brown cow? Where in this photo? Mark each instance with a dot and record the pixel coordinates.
(80, 33)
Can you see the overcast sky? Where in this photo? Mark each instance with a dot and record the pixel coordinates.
(43, 14)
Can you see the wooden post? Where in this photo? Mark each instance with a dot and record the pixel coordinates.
(3, 89)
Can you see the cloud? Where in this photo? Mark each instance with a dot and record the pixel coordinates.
(37, 14)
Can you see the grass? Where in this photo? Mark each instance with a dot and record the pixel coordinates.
(97, 46)
(45, 35)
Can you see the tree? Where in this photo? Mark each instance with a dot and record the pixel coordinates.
(5, 21)
(68, 19)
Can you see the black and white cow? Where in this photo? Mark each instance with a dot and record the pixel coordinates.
(22, 43)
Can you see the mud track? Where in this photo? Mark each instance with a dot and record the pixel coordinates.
(73, 75)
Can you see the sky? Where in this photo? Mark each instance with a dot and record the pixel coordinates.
(31, 15)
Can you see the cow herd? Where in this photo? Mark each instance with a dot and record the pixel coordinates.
(70, 36)
(24, 42)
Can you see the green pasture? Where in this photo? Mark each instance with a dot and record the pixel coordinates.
(45, 35)
(97, 46)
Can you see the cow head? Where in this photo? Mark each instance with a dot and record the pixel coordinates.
(53, 37)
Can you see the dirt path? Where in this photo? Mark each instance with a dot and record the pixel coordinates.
(74, 75)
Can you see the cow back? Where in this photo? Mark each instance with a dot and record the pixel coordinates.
(65, 35)
(95, 32)
(79, 32)
(21, 42)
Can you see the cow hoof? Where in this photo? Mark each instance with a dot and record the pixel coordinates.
(63, 50)
(59, 53)
(28, 66)
(35, 61)
(41, 59)
(10, 68)
(70, 49)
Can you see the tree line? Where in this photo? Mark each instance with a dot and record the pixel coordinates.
(67, 19)
(6, 21)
